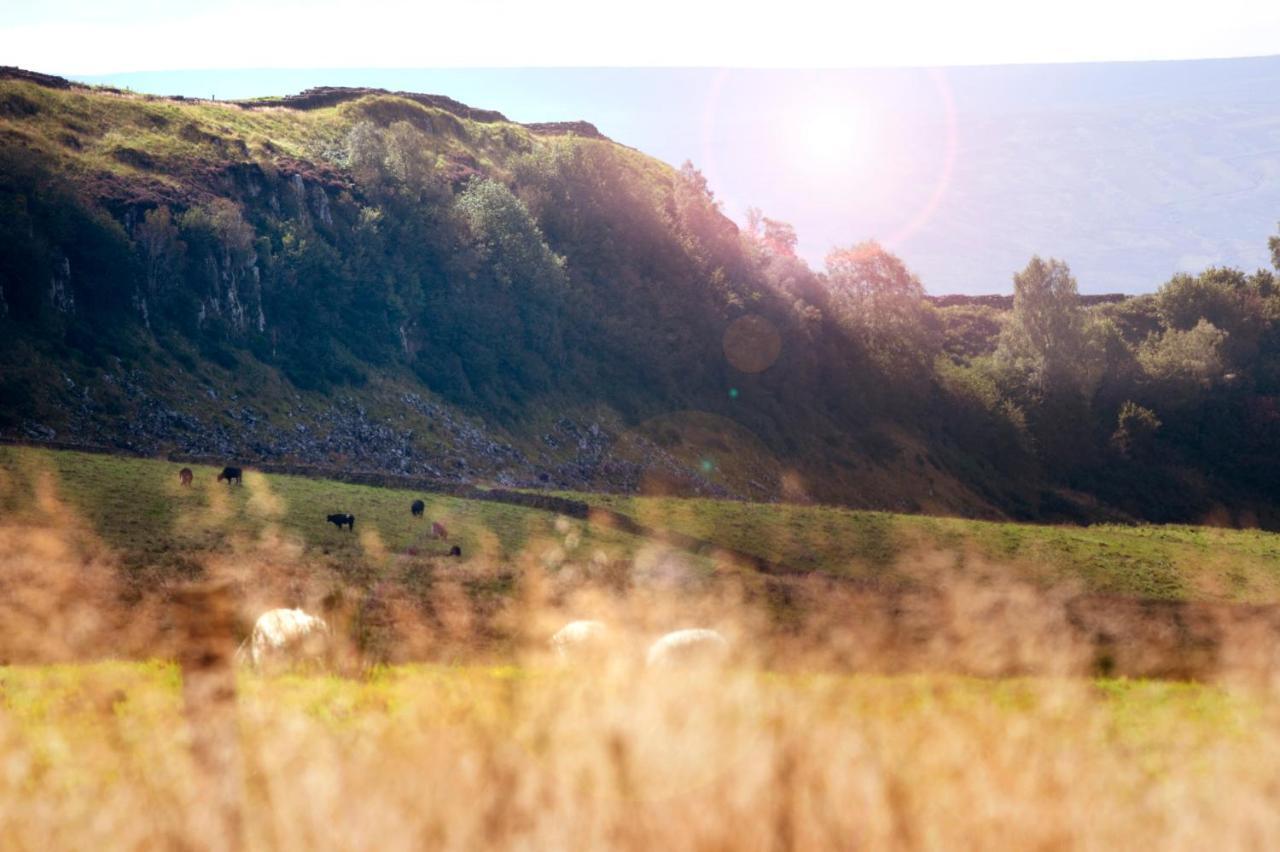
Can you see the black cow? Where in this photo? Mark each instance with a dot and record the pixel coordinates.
(418, 508)
(339, 520)
(232, 474)
(455, 551)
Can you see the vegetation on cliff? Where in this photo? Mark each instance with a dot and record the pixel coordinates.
(352, 246)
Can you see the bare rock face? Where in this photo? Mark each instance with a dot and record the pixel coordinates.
(61, 296)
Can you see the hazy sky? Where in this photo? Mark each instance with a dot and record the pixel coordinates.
(1130, 171)
(102, 36)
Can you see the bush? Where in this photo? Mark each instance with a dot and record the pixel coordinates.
(1135, 430)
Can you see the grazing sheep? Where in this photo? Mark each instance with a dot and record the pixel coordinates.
(681, 647)
(439, 531)
(578, 638)
(340, 519)
(417, 508)
(286, 636)
(185, 476)
(232, 474)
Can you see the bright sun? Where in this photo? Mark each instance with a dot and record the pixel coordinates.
(833, 138)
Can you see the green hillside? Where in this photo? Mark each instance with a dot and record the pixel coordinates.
(397, 282)
(163, 533)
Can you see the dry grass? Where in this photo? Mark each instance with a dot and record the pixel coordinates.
(494, 744)
(466, 758)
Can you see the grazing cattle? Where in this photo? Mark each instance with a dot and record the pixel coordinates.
(455, 551)
(418, 508)
(340, 519)
(685, 647)
(284, 637)
(439, 531)
(579, 639)
(185, 476)
(232, 474)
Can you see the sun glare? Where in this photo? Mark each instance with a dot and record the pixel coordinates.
(833, 138)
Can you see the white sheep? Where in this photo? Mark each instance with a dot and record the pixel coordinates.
(578, 638)
(693, 645)
(286, 636)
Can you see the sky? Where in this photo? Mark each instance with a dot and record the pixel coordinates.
(106, 36)
(845, 123)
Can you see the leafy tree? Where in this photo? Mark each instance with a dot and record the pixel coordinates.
(508, 236)
(709, 236)
(1045, 336)
(366, 150)
(160, 247)
(1230, 300)
(882, 302)
(1184, 364)
(773, 235)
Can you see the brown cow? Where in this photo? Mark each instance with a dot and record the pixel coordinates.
(185, 476)
(438, 531)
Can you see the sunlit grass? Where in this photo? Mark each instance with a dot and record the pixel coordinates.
(137, 506)
(1169, 562)
(520, 757)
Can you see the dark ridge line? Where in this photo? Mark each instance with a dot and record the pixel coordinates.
(49, 81)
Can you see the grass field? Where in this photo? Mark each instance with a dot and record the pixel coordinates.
(488, 741)
(1167, 562)
(158, 528)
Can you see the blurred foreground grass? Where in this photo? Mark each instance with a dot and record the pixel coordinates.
(533, 757)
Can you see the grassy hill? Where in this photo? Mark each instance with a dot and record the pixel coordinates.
(408, 284)
(390, 281)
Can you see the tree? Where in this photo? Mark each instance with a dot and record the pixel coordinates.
(1045, 337)
(407, 159)
(509, 236)
(1135, 430)
(1227, 298)
(157, 240)
(366, 150)
(707, 231)
(882, 302)
(776, 237)
(1187, 360)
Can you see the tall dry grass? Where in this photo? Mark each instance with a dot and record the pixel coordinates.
(495, 744)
